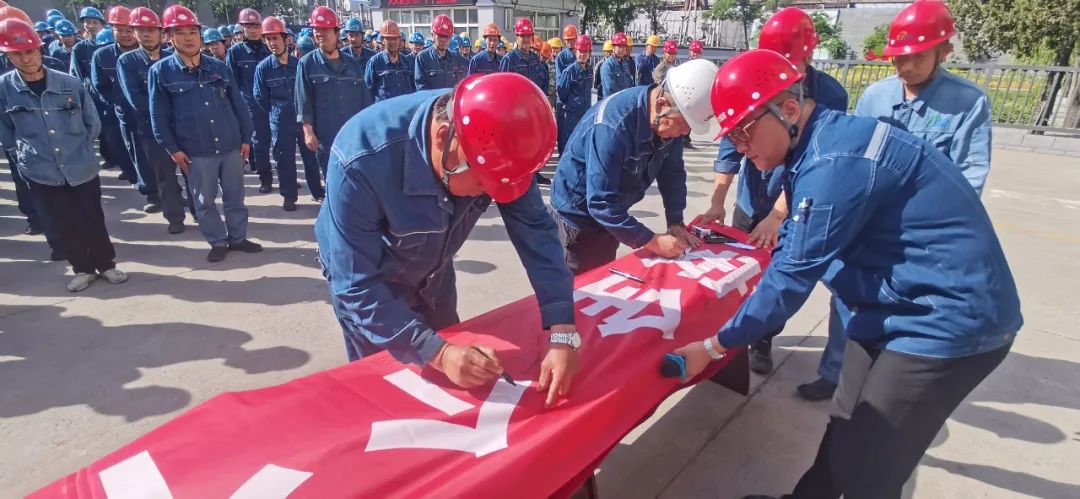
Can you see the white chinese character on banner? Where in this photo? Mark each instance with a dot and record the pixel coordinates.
(138, 477)
(489, 434)
(738, 269)
(612, 292)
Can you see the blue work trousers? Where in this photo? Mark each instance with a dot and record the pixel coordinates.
(260, 141)
(207, 174)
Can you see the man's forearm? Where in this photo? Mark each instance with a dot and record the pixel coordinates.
(721, 184)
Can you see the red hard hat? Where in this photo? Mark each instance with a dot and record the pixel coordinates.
(569, 32)
(789, 31)
(504, 161)
(13, 12)
(249, 16)
(143, 17)
(671, 47)
(619, 39)
(523, 27)
(747, 82)
(696, 47)
(177, 16)
(272, 25)
(442, 25)
(119, 16)
(584, 43)
(920, 26)
(323, 17)
(16, 36)
(390, 28)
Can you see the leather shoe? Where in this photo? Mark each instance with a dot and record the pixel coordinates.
(289, 205)
(176, 227)
(266, 187)
(761, 358)
(246, 246)
(819, 389)
(217, 253)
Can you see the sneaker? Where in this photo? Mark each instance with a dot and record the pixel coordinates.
(114, 275)
(81, 282)
(761, 358)
(246, 246)
(57, 255)
(289, 205)
(819, 389)
(176, 227)
(217, 253)
(152, 207)
(266, 187)
(32, 229)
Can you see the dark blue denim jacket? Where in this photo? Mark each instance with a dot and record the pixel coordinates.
(527, 65)
(483, 63)
(327, 99)
(433, 72)
(275, 90)
(133, 68)
(574, 87)
(385, 79)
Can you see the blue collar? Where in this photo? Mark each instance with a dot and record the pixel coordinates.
(795, 156)
(419, 175)
(644, 126)
(52, 82)
(919, 101)
(276, 63)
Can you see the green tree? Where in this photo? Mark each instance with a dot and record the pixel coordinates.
(614, 13)
(1024, 28)
(829, 35)
(653, 9)
(875, 41)
(745, 12)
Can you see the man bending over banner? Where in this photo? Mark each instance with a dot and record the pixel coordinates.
(401, 200)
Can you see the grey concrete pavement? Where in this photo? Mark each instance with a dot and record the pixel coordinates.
(82, 374)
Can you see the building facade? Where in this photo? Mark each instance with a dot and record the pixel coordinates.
(549, 16)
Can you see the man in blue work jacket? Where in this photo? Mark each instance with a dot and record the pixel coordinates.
(647, 61)
(330, 89)
(891, 226)
(214, 44)
(93, 22)
(524, 60)
(106, 82)
(390, 73)
(618, 149)
(242, 59)
(487, 61)
(61, 48)
(437, 66)
(568, 55)
(47, 125)
(152, 161)
(388, 256)
(354, 34)
(198, 116)
(416, 43)
(617, 71)
(574, 88)
(759, 207)
(275, 92)
(226, 36)
(111, 140)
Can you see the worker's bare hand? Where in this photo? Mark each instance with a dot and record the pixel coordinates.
(310, 141)
(245, 150)
(714, 214)
(767, 233)
(666, 245)
(557, 371)
(182, 161)
(466, 366)
(697, 358)
(683, 234)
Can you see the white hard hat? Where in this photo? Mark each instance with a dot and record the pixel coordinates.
(690, 84)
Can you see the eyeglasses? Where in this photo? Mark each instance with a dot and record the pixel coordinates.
(740, 135)
(446, 156)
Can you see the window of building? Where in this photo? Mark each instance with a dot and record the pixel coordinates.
(544, 24)
(465, 20)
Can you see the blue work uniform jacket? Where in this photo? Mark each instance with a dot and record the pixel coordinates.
(51, 137)
(893, 229)
(758, 191)
(242, 59)
(566, 58)
(386, 79)
(200, 110)
(485, 62)
(133, 70)
(363, 57)
(616, 74)
(106, 82)
(327, 98)
(61, 53)
(388, 231)
(574, 88)
(645, 66)
(432, 72)
(275, 90)
(950, 112)
(610, 160)
(528, 65)
(81, 55)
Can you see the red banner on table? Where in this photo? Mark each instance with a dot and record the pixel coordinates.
(377, 428)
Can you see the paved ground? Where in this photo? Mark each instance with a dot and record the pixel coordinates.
(82, 374)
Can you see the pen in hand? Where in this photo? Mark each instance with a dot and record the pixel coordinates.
(504, 376)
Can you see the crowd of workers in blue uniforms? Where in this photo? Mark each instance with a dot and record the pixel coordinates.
(199, 101)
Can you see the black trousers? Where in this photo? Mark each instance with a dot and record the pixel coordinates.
(885, 413)
(744, 222)
(76, 213)
(585, 248)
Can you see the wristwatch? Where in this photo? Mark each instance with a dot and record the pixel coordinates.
(712, 351)
(571, 339)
